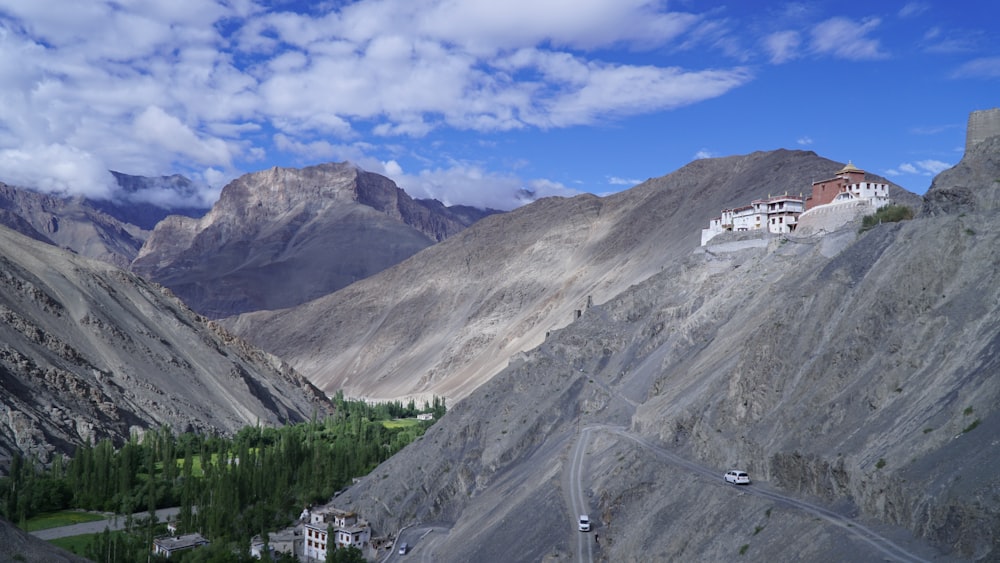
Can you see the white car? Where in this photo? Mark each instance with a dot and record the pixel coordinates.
(737, 477)
(584, 523)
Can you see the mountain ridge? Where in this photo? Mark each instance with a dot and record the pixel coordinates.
(505, 282)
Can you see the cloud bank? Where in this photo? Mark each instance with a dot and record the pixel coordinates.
(214, 88)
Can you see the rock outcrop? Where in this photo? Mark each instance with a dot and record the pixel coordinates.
(973, 185)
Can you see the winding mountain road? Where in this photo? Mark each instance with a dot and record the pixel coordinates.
(577, 501)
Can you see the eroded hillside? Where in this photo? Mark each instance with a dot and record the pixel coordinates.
(88, 351)
(853, 375)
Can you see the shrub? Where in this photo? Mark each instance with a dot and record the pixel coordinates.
(880, 463)
(971, 427)
(887, 214)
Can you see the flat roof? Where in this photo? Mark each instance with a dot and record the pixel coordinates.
(180, 542)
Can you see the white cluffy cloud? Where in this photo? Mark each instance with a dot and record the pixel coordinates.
(469, 184)
(783, 46)
(838, 37)
(68, 170)
(847, 39)
(921, 168)
(210, 87)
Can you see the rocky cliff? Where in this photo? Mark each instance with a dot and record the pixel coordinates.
(89, 351)
(280, 237)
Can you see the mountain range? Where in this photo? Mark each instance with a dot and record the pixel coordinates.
(595, 358)
(458, 311)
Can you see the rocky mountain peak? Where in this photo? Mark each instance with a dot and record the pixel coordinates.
(283, 236)
(263, 195)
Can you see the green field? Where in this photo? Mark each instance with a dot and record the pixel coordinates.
(401, 423)
(62, 518)
(75, 544)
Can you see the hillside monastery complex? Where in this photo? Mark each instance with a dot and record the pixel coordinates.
(846, 192)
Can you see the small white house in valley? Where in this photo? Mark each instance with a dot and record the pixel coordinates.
(171, 545)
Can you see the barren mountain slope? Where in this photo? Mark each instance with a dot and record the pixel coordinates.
(280, 237)
(853, 375)
(444, 321)
(89, 351)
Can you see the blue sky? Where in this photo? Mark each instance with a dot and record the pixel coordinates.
(470, 101)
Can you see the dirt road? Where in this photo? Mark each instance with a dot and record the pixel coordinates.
(576, 499)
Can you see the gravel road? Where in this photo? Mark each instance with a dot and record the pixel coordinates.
(96, 527)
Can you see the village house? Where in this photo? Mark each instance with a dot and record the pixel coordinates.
(347, 529)
(170, 545)
(287, 541)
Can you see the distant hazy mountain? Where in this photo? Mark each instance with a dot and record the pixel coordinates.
(448, 319)
(107, 230)
(144, 201)
(854, 375)
(73, 223)
(89, 351)
(281, 237)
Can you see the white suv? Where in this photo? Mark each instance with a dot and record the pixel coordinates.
(584, 523)
(737, 477)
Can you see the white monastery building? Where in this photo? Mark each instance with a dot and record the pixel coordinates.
(843, 196)
(776, 214)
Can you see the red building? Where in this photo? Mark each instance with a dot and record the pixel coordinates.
(824, 191)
